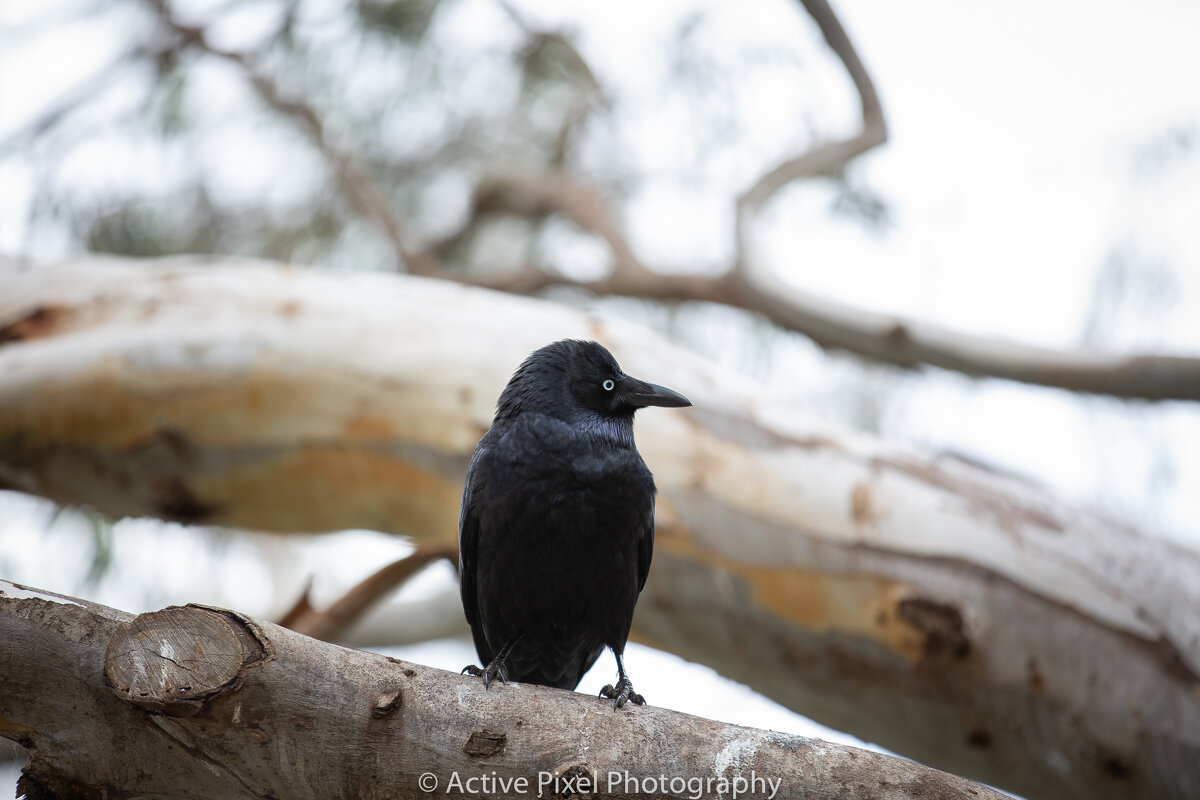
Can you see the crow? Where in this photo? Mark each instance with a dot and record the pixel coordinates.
(556, 527)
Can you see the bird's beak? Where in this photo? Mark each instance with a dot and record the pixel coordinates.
(640, 394)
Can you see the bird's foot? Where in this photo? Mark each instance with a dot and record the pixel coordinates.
(621, 693)
(493, 671)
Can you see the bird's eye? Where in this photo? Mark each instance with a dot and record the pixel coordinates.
(608, 385)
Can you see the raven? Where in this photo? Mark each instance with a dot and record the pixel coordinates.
(556, 527)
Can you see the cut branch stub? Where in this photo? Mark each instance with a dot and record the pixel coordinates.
(172, 661)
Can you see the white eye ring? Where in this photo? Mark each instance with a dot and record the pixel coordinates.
(608, 385)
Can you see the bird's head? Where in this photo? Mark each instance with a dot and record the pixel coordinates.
(580, 382)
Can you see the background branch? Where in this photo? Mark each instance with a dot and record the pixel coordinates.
(333, 623)
(826, 158)
(831, 324)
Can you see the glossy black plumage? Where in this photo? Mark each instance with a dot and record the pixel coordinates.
(556, 529)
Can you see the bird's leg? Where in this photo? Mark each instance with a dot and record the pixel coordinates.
(623, 691)
(496, 669)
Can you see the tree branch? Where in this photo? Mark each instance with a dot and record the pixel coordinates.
(211, 703)
(332, 624)
(797, 311)
(536, 195)
(831, 324)
(823, 159)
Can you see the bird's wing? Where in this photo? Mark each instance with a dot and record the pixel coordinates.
(645, 545)
(468, 543)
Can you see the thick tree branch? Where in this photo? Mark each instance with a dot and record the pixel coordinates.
(209, 703)
(961, 617)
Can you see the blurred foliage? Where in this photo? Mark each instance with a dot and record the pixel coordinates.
(102, 549)
(1162, 152)
(1132, 292)
(861, 204)
(97, 530)
(219, 127)
(408, 20)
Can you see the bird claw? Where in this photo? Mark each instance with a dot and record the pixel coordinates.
(494, 670)
(621, 693)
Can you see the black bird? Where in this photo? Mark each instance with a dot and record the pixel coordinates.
(556, 528)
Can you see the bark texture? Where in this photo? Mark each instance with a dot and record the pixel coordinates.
(958, 616)
(199, 702)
